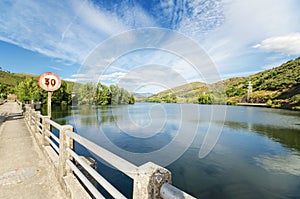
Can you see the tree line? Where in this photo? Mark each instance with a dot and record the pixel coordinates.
(100, 94)
(167, 98)
(213, 98)
(29, 90)
(88, 93)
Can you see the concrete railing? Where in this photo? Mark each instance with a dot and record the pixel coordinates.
(149, 180)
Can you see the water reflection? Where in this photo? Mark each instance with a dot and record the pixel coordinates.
(59, 113)
(257, 155)
(286, 136)
(105, 115)
(280, 163)
(242, 165)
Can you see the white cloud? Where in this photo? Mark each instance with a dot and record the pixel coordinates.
(70, 79)
(248, 22)
(55, 68)
(112, 77)
(109, 78)
(66, 30)
(69, 30)
(238, 74)
(84, 77)
(159, 76)
(289, 44)
(280, 163)
(80, 75)
(200, 17)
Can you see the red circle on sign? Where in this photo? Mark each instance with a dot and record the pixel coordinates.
(49, 81)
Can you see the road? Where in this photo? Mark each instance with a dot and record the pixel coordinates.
(24, 171)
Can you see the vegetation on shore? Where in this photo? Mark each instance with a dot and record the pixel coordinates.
(100, 94)
(278, 87)
(26, 87)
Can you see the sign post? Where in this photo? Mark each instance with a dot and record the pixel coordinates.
(49, 103)
(49, 82)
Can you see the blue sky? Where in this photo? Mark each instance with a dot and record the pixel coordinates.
(240, 37)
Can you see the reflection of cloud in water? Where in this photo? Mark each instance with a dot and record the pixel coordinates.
(281, 163)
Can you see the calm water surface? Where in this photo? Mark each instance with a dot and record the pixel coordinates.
(256, 156)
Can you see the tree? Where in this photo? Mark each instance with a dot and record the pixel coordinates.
(124, 97)
(86, 93)
(115, 94)
(204, 99)
(170, 98)
(28, 90)
(62, 95)
(103, 95)
(132, 100)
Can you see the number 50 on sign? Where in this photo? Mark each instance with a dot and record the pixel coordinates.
(49, 81)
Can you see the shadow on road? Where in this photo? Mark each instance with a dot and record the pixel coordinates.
(14, 116)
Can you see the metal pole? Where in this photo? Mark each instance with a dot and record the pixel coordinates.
(49, 104)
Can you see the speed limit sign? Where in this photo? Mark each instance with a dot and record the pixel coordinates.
(49, 81)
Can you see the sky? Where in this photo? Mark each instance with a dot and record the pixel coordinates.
(146, 46)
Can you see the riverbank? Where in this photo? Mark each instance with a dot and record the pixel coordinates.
(253, 104)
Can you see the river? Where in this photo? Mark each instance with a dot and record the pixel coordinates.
(247, 152)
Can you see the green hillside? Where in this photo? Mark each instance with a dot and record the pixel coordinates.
(25, 86)
(278, 87)
(187, 93)
(9, 81)
(13, 79)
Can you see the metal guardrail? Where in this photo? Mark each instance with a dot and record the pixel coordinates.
(150, 180)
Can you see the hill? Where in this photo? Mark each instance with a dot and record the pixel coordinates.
(13, 79)
(187, 93)
(140, 97)
(9, 82)
(278, 87)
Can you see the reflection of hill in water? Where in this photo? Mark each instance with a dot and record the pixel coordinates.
(287, 137)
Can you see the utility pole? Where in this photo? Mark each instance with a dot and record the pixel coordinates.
(249, 90)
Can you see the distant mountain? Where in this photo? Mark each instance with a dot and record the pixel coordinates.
(142, 95)
(278, 87)
(187, 93)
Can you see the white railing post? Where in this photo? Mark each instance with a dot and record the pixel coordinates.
(45, 127)
(30, 118)
(36, 121)
(25, 113)
(28, 114)
(64, 143)
(148, 181)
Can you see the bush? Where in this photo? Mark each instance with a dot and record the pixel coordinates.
(231, 103)
(296, 99)
(269, 103)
